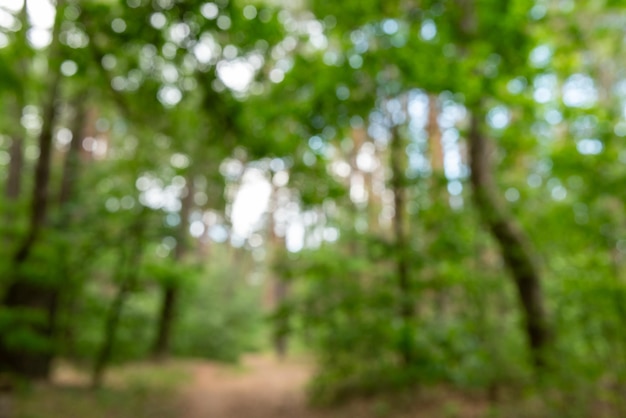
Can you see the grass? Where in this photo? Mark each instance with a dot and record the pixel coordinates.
(137, 391)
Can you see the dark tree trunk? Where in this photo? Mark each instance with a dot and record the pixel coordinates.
(23, 293)
(407, 310)
(279, 287)
(126, 277)
(40, 198)
(114, 315)
(16, 151)
(71, 167)
(14, 179)
(167, 317)
(281, 342)
(517, 251)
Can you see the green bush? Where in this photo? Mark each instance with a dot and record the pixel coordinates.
(221, 319)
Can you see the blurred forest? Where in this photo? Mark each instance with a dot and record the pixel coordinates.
(411, 193)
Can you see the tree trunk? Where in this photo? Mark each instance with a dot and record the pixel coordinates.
(39, 207)
(281, 346)
(166, 318)
(66, 200)
(434, 137)
(110, 333)
(517, 251)
(126, 274)
(161, 347)
(407, 311)
(279, 287)
(16, 164)
(22, 293)
(16, 151)
(438, 192)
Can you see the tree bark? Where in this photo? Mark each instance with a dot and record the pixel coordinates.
(167, 317)
(434, 137)
(407, 310)
(16, 152)
(105, 352)
(40, 198)
(126, 275)
(23, 293)
(16, 164)
(279, 287)
(66, 202)
(517, 251)
(281, 346)
(438, 193)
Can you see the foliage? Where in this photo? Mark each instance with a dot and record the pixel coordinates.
(221, 319)
(346, 309)
(354, 116)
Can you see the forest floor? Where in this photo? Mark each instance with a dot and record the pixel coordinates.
(259, 387)
(264, 387)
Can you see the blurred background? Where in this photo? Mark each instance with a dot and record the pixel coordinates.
(386, 208)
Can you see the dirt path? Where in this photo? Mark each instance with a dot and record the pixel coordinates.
(262, 388)
(267, 388)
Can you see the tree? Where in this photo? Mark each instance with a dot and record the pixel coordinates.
(517, 252)
(22, 292)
